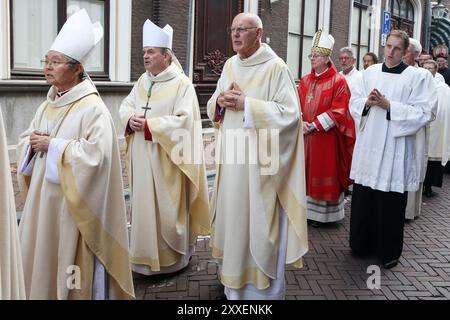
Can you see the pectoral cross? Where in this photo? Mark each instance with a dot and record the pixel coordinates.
(149, 94)
(311, 93)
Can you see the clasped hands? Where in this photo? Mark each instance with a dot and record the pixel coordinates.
(137, 123)
(40, 141)
(377, 99)
(308, 127)
(232, 99)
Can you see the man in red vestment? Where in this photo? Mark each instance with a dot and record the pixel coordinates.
(329, 134)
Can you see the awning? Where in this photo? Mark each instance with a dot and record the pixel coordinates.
(440, 32)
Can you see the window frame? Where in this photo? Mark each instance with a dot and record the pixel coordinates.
(361, 6)
(301, 35)
(402, 21)
(38, 74)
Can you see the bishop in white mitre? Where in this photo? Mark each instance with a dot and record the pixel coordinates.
(73, 231)
(162, 125)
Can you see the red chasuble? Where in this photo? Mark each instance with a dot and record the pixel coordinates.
(328, 155)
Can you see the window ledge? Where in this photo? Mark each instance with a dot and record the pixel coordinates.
(42, 86)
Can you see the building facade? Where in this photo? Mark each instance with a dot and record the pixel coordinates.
(201, 42)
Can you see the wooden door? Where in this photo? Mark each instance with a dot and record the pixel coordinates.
(212, 45)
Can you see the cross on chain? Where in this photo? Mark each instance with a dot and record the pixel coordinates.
(311, 93)
(149, 94)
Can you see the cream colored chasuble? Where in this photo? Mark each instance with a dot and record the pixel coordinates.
(439, 148)
(169, 198)
(246, 202)
(11, 273)
(79, 222)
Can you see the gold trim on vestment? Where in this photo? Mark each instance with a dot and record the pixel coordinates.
(84, 259)
(113, 256)
(199, 219)
(252, 276)
(167, 258)
(322, 51)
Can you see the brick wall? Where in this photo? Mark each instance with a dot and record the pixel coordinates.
(178, 19)
(141, 11)
(274, 17)
(339, 26)
(275, 23)
(176, 13)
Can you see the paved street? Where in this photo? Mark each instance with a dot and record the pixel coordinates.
(330, 271)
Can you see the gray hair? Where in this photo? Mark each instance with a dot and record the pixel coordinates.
(347, 50)
(256, 20)
(415, 45)
(169, 52)
(73, 62)
(434, 63)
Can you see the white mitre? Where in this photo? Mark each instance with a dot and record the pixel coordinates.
(78, 36)
(154, 36)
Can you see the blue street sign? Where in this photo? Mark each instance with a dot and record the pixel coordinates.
(383, 39)
(386, 28)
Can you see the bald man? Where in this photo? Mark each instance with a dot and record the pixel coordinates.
(258, 204)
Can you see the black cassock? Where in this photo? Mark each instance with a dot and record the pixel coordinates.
(376, 222)
(435, 174)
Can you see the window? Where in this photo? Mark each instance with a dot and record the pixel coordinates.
(402, 16)
(34, 26)
(361, 29)
(303, 24)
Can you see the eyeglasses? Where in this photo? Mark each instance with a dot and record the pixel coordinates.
(240, 29)
(52, 63)
(314, 56)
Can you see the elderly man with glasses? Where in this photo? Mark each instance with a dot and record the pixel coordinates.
(347, 62)
(73, 233)
(258, 205)
(329, 134)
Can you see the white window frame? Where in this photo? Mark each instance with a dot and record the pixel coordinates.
(120, 41)
(5, 66)
(251, 6)
(418, 16)
(324, 17)
(375, 26)
(119, 46)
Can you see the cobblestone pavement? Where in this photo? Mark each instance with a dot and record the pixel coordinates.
(330, 271)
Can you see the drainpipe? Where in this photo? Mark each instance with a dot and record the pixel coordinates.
(427, 36)
(156, 6)
(187, 63)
